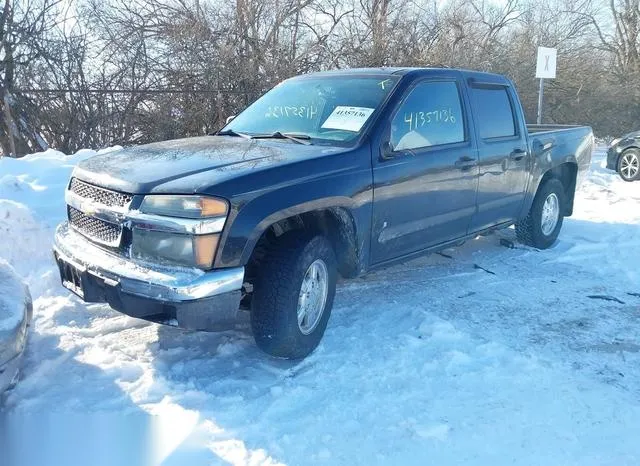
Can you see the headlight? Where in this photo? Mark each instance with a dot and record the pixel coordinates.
(187, 250)
(184, 206)
(190, 239)
(615, 141)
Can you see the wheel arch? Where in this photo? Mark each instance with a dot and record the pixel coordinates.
(336, 221)
(632, 146)
(567, 173)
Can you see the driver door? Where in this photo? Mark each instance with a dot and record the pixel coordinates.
(426, 178)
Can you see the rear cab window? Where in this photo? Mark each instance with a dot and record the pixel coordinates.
(495, 116)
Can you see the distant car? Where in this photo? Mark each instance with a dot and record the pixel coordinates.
(16, 311)
(624, 156)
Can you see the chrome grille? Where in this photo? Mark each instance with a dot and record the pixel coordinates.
(100, 195)
(94, 228)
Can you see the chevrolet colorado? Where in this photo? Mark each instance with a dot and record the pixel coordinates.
(328, 173)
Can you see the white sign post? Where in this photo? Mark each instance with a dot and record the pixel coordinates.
(545, 69)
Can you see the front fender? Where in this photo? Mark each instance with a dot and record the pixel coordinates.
(246, 224)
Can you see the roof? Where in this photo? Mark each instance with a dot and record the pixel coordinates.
(373, 71)
(401, 71)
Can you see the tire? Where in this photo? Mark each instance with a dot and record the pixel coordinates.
(531, 230)
(277, 294)
(629, 165)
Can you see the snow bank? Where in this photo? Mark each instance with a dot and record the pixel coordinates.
(39, 180)
(31, 205)
(24, 239)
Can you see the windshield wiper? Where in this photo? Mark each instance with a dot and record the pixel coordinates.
(230, 132)
(299, 138)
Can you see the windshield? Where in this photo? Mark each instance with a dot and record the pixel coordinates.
(333, 108)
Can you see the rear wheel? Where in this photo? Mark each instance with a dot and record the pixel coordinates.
(293, 296)
(542, 225)
(629, 165)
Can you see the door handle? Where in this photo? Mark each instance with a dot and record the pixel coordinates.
(466, 163)
(518, 154)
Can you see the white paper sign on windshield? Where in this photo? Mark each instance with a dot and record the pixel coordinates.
(348, 118)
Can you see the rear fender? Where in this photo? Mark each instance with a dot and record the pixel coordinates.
(548, 162)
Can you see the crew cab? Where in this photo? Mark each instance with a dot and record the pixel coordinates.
(329, 173)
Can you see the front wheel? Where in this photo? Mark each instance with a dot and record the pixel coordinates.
(293, 296)
(542, 225)
(629, 165)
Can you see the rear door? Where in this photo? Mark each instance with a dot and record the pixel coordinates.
(504, 155)
(425, 173)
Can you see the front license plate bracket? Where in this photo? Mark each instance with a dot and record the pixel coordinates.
(72, 277)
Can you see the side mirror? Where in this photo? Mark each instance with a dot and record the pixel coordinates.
(229, 119)
(386, 151)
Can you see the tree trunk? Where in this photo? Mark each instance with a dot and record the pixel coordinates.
(8, 141)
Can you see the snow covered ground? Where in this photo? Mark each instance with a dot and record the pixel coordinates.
(482, 355)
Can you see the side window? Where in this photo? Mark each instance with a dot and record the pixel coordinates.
(430, 115)
(494, 113)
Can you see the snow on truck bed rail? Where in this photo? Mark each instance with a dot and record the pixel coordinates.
(483, 354)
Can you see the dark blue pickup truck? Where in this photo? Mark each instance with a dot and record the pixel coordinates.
(331, 173)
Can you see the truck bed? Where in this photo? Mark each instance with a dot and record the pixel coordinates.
(564, 141)
(548, 128)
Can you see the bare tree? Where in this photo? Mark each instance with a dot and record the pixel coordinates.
(133, 71)
(23, 28)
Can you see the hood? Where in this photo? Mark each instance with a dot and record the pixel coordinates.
(178, 166)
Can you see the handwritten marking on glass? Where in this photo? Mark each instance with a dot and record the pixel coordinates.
(420, 119)
(291, 111)
(383, 84)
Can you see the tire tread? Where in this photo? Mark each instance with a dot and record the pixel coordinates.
(276, 296)
(528, 229)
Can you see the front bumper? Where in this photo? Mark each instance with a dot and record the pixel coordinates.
(612, 158)
(14, 341)
(9, 372)
(195, 299)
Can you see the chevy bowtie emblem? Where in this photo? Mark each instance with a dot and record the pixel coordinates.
(88, 208)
